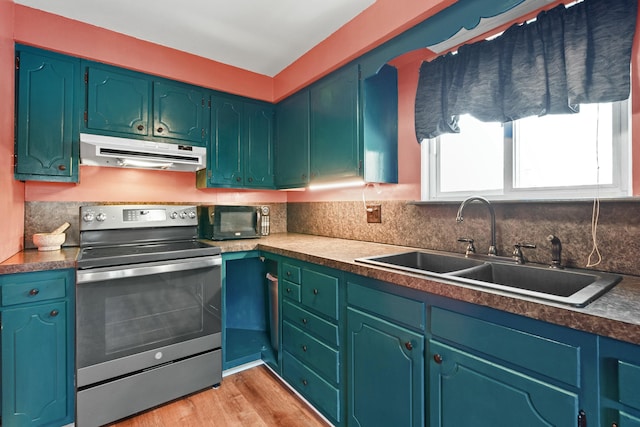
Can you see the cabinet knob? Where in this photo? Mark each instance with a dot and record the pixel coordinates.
(250, 179)
(62, 167)
(437, 358)
(315, 292)
(54, 313)
(238, 179)
(140, 127)
(614, 424)
(408, 345)
(304, 348)
(33, 292)
(305, 382)
(304, 321)
(288, 290)
(160, 130)
(288, 274)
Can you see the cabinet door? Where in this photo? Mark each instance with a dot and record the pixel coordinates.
(225, 156)
(34, 365)
(467, 390)
(258, 161)
(118, 101)
(335, 145)
(292, 141)
(47, 118)
(385, 371)
(180, 112)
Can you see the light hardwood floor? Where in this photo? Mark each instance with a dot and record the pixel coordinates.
(250, 398)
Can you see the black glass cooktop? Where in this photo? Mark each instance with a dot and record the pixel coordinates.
(102, 256)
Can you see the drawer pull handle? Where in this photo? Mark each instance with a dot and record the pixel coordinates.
(62, 167)
(304, 348)
(54, 313)
(160, 130)
(288, 274)
(315, 292)
(305, 321)
(33, 292)
(408, 345)
(437, 358)
(140, 127)
(305, 382)
(288, 290)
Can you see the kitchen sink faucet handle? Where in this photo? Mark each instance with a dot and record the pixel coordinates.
(518, 256)
(470, 248)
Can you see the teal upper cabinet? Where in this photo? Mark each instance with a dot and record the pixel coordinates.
(129, 104)
(335, 148)
(258, 161)
(241, 147)
(338, 129)
(292, 141)
(180, 112)
(118, 101)
(47, 116)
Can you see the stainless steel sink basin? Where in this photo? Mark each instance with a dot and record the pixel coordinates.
(423, 262)
(567, 286)
(574, 287)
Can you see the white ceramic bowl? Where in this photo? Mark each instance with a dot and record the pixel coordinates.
(48, 241)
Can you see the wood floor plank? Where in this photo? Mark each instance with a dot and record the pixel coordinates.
(250, 398)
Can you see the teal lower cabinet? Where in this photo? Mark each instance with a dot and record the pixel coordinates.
(311, 337)
(37, 348)
(620, 383)
(385, 358)
(483, 371)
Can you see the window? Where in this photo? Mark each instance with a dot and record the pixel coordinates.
(573, 156)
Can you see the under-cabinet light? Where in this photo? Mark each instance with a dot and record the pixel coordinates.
(143, 164)
(337, 184)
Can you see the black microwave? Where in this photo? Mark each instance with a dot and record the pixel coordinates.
(226, 222)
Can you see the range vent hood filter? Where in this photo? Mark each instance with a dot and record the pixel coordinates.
(100, 150)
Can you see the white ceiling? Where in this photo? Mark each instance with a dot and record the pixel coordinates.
(263, 36)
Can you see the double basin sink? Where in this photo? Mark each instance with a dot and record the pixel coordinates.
(567, 286)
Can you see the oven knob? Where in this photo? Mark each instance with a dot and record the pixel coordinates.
(88, 217)
(173, 215)
(192, 214)
(101, 216)
(183, 214)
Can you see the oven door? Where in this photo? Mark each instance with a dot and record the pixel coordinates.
(133, 317)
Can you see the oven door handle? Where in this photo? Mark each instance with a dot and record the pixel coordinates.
(135, 270)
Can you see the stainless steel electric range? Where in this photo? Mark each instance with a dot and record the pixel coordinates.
(148, 310)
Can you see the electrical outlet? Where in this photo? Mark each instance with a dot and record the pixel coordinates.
(374, 214)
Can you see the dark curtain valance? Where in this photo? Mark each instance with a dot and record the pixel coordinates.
(566, 57)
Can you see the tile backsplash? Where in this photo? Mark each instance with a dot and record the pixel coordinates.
(434, 226)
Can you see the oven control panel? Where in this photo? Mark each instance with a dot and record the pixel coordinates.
(104, 217)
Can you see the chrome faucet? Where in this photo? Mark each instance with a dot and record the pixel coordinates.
(459, 218)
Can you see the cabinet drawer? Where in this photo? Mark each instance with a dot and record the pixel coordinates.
(409, 312)
(291, 290)
(291, 272)
(32, 287)
(309, 322)
(320, 393)
(311, 351)
(560, 361)
(320, 292)
(628, 383)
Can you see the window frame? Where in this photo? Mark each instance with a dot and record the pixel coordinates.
(620, 188)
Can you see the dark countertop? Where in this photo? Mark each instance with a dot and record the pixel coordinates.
(616, 314)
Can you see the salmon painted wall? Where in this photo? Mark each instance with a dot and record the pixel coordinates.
(11, 191)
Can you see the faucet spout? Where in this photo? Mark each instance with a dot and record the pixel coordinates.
(492, 213)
